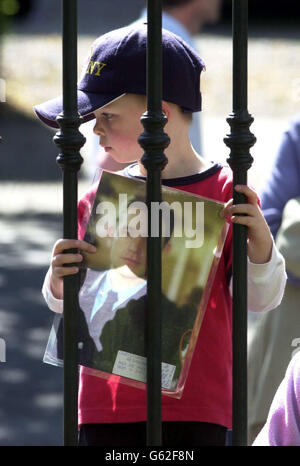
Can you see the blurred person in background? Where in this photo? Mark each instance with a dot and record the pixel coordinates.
(186, 19)
(282, 428)
(276, 334)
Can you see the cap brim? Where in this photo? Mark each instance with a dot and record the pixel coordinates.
(87, 102)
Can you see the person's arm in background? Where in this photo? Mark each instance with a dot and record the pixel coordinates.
(283, 424)
(288, 237)
(283, 182)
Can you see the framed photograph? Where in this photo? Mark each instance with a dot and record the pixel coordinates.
(113, 293)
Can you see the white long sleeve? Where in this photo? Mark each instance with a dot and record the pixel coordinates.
(56, 305)
(266, 283)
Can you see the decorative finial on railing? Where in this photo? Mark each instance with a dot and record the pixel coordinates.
(154, 140)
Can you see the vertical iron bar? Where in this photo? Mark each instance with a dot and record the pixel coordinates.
(240, 140)
(153, 140)
(69, 140)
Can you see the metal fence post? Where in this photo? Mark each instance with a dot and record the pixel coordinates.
(153, 140)
(240, 140)
(70, 140)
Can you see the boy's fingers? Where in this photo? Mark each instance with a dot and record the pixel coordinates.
(63, 271)
(248, 209)
(64, 244)
(84, 246)
(225, 211)
(247, 221)
(61, 259)
(251, 195)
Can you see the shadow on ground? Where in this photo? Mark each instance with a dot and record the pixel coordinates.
(31, 396)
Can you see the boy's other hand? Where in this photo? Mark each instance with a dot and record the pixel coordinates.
(59, 260)
(259, 236)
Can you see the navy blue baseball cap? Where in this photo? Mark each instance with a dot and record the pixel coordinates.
(117, 66)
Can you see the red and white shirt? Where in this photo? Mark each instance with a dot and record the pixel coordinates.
(207, 394)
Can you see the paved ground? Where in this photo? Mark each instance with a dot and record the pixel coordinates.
(31, 391)
(30, 192)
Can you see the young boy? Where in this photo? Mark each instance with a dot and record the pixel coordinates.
(113, 91)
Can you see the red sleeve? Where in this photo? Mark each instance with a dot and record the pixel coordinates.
(226, 196)
(85, 206)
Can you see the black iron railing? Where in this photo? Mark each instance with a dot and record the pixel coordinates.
(240, 140)
(70, 140)
(154, 141)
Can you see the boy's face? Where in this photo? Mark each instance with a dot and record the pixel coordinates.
(118, 125)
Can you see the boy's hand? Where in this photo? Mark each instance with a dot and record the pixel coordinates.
(59, 258)
(259, 236)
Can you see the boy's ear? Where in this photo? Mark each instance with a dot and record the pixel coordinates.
(166, 109)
